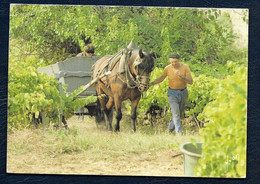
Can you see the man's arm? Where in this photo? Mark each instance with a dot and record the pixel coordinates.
(159, 80)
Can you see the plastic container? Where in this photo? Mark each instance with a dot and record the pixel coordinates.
(192, 154)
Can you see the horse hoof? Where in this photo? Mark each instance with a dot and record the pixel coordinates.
(117, 129)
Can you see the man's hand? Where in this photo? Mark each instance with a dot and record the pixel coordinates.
(186, 79)
(151, 84)
(177, 72)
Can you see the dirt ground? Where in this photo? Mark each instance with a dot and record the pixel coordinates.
(145, 165)
(159, 163)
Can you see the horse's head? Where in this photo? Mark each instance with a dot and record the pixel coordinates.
(141, 65)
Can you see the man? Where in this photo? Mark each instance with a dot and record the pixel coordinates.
(88, 51)
(179, 76)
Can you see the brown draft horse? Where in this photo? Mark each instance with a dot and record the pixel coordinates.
(121, 85)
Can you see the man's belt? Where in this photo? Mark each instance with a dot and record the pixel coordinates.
(179, 89)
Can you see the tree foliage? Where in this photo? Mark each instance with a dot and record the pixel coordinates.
(31, 93)
(57, 32)
(224, 138)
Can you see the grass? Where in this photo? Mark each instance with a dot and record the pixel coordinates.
(83, 141)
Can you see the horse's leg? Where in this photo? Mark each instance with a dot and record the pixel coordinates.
(109, 106)
(104, 111)
(118, 104)
(64, 122)
(133, 112)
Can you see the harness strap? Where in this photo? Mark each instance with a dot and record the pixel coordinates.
(130, 80)
(106, 89)
(108, 62)
(113, 63)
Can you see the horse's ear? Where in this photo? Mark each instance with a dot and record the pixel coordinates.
(152, 53)
(141, 54)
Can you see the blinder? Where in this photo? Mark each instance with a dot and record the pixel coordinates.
(142, 81)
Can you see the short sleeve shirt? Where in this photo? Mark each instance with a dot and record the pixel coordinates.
(175, 81)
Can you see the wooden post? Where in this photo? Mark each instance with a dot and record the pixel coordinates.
(60, 109)
(57, 77)
(43, 117)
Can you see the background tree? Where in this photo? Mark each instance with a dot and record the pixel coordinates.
(54, 33)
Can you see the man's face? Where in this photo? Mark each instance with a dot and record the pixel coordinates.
(175, 62)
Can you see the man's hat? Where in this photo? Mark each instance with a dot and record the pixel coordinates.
(174, 55)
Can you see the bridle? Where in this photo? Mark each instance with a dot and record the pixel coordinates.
(140, 81)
